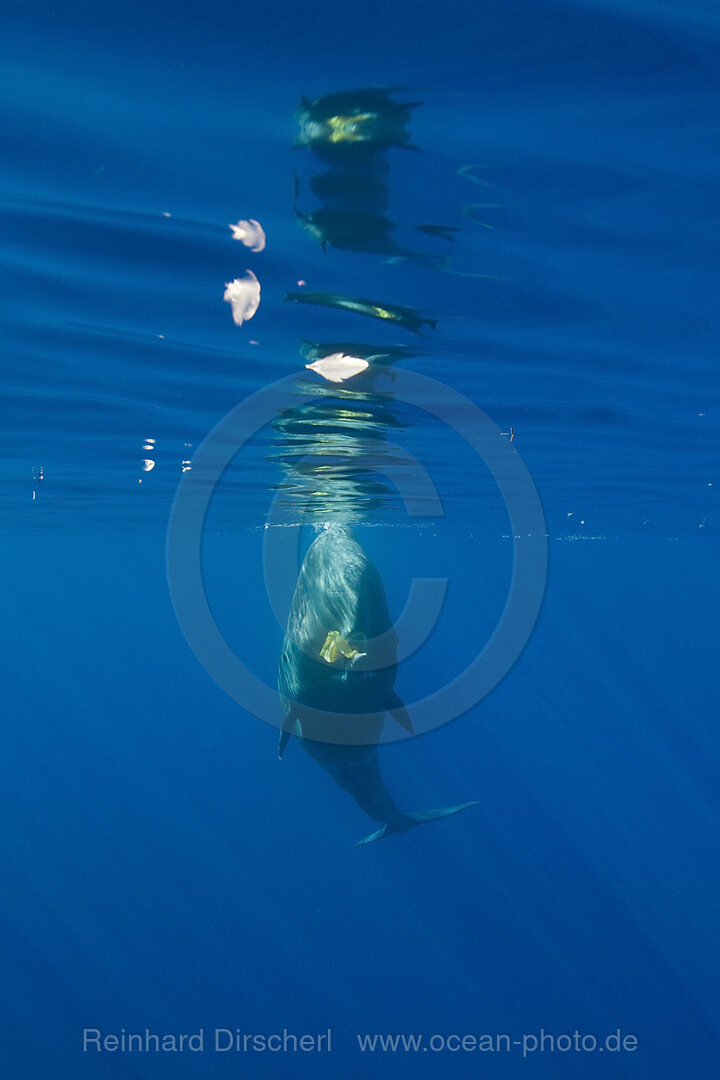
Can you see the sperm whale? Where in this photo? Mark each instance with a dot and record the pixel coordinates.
(337, 676)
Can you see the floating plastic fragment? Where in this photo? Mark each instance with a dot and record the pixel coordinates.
(336, 646)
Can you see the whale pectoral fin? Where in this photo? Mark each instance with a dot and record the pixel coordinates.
(399, 713)
(290, 727)
(402, 717)
(282, 744)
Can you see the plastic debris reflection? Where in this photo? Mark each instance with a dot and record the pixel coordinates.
(337, 367)
(250, 233)
(243, 294)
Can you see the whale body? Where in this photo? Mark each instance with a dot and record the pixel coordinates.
(337, 676)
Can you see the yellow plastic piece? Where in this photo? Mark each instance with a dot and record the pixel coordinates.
(349, 128)
(335, 647)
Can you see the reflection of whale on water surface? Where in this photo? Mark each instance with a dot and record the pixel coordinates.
(376, 309)
(337, 676)
(353, 230)
(353, 121)
(355, 188)
(335, 452)
(445, 231)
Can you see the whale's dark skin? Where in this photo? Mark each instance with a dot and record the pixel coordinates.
(337, 708)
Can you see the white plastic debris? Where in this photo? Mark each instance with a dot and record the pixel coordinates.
(250, 233)
(337, 367)
(243, 294)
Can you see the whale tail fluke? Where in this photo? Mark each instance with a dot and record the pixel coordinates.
(409, 821)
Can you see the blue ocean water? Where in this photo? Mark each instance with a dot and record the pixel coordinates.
(164, 871)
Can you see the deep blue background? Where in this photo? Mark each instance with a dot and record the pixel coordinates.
(163, 869)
